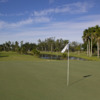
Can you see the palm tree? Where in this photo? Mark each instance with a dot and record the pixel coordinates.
(86, 38)
(97, 36)
(16, 46)
(91, 31)
(89, 40)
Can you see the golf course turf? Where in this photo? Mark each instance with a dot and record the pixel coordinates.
(46, 80)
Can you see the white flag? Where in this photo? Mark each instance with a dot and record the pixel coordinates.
(65, 48)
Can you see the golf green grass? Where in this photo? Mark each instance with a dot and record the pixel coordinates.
(46, 80)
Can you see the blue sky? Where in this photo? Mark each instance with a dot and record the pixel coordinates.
(30, 20)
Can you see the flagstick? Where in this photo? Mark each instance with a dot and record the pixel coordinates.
(63, 50)
(68, 70)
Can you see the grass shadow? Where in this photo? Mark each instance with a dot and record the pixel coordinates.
(83, 78)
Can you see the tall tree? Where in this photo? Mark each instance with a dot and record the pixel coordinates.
(97, 36)
(91, 32)
(86, 38)
(16, 46)
(92, 35)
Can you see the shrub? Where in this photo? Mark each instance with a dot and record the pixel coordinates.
(64, 55)
(35, 52)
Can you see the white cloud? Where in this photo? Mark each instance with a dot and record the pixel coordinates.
(41, 20)
(2, 24)
(21, 23)
(51, 1)
(24, 22)
(12, 15)
(71, 30)
(3, 1)
(89, 18)
(12, 25)
(78, 7)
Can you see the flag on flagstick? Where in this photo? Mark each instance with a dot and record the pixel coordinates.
(64, 49)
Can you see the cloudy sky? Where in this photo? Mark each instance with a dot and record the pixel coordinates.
(30, 20)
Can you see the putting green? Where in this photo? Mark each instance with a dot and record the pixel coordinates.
(46, 80)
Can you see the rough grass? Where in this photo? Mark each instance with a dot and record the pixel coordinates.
(13, 56)
(46, 80)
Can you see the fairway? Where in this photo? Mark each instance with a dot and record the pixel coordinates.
(46, 80)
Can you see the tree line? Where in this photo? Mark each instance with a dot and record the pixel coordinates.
(48, 45)
(91, 38)
(21, 47)
(56, 45)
